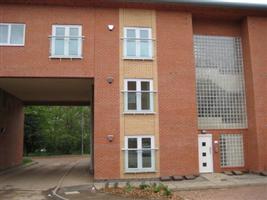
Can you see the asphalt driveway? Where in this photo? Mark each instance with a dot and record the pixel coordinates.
(32, 182)
(47, 172)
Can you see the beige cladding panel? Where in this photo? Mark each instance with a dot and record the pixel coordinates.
(138, 18)
(138, 69)
(146, 69)
(139, 124)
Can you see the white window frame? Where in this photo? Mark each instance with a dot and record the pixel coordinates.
(9, 34)
(66, 43)
(138, 46)
(138, 96)
(139, 149)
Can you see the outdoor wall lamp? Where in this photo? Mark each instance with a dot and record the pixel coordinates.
(110, 138)
(2, 131)
(110, 27)
(203, 131)
(110, 80)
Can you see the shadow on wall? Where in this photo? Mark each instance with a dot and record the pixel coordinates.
(11, 130)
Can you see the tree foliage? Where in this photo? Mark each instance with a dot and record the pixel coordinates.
(57, 129)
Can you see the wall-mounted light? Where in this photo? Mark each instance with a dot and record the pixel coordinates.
(110, 27)
(2, 131)
(110, 138)
(110, 80)
(203, 131)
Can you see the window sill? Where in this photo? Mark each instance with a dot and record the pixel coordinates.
(139, 113)
(12, 45)
(140, 171)
(138, 58)
(66, 57)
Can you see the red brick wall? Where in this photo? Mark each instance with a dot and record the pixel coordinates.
(11, 143)
(107, 96)
(204, 26)
(177, 94)
(32, 59)
(254, 31)
(100, 60)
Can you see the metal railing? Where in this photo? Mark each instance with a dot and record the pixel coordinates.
(66, 48)
(139, 43)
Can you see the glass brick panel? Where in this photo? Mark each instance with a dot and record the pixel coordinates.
(231, 148)
(220, 82)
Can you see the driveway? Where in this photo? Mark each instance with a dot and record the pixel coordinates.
(31, 182)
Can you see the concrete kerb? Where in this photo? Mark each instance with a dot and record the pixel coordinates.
(197, 184)
(22, 166)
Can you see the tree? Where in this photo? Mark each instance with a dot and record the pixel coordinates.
(57, 129)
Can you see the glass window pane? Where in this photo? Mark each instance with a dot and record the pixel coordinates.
(130, 47)
(131, 33)
(132, 159)
(73, 46)
(147, 159)
(144, 48)
(4, 34)
(131, 85)
(145, 98)
(145, 86)
(132, 143)
(144, 34)
(146, 142)
(132, 105)
(60, 31)
(74, 32)
(59, 46)
(16, 36)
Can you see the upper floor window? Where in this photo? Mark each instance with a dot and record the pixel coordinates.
(66, 41)
(138, 43)
(139, 154)
(138, 95)
(12, 34)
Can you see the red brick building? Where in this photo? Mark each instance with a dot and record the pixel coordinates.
(176, 88)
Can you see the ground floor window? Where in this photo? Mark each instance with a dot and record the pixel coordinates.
(232, 152)
(139, 154)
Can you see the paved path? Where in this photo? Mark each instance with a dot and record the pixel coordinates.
(242, 193)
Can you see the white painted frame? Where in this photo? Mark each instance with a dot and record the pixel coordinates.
(139, 168)
(138, 96)
(138, 43)
(9, 34)
(66, 41)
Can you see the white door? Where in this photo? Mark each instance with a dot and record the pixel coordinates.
(205, 153)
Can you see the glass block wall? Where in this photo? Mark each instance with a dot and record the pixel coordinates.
(220, 82)
(232, 153)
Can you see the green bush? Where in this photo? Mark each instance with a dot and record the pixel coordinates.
(128, 187)
(143, 186)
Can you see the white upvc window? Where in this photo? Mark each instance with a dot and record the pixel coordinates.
(12, 34)
(66, 41)
(138, 43)
(138, 96)
(139, 154)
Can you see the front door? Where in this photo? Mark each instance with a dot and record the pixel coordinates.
(205, 153)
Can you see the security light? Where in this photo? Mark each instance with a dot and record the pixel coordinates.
(110, 27)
